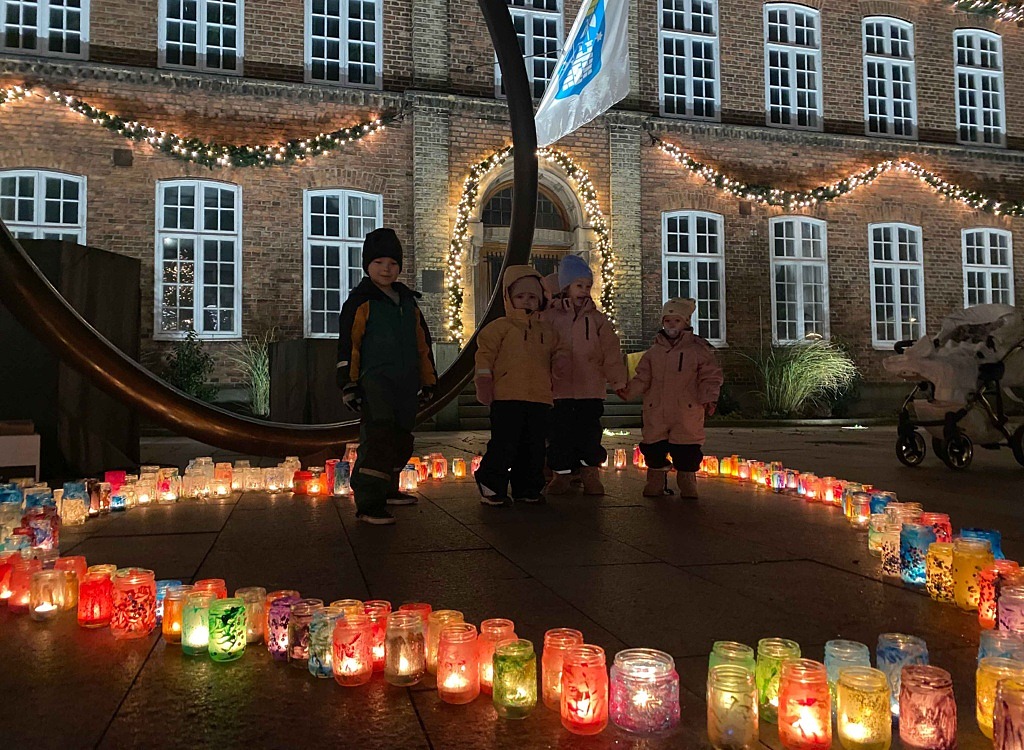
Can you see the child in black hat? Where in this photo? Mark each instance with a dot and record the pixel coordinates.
(385, 372)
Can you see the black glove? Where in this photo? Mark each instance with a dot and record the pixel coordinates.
(352, 397)
(426, 394)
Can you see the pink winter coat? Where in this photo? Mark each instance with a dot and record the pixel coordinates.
(676, 379)
(596, 356)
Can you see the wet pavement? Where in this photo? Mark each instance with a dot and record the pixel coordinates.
(739, 565)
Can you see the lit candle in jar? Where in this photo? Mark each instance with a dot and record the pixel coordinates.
(863, 716)
(557, 643)
(492, 632)
(378, 610)
(95, 595)
(195, 623)
(732, 708)
(276, 634)
(805, 706)
(174, 604)
(21, 583)
(459, 468)
(458, 667)
(584, 706)
(620, 459)
(353, 651)
(514, 691)
(987, 585)
(992, 670)
(405, 659)
(255, 615)
(321, 641)
(927, 709)
(46, 598)
(644, 691)
(436, 620)
(771, 653)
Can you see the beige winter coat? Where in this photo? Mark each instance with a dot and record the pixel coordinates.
(596, 356)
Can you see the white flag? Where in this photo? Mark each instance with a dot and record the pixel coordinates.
(592, 72)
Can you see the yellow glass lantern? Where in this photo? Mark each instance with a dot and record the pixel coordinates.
(863, 713)
(459, 468)
(991, 670)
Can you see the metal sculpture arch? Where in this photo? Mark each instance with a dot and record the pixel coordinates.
(34, 302)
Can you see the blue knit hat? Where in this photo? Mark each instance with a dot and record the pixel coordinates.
(571, 268)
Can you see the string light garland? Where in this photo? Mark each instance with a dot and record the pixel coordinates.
(791, 199)
(467, 204)
(209, 153)
(1009, 12)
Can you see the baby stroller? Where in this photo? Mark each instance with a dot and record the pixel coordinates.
(962, 375)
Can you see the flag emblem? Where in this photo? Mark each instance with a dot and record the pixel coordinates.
(582, 60)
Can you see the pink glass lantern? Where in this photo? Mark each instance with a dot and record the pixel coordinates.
(133, 612)
(927, 708)
(458, 666)
(475, 466)
(805, 706)
(584, 704)
(557, 643)
(7, 560)
(638, 455)
(831, 491)
(988, 580)
(21, 583)
(492, 632)
(352, 658)
(215, 585)
(378, 610)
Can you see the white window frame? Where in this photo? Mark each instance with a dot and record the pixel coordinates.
(38, 228)
(792, 49)
(888, 61)
(345, 241)
(691, 257)
(343, 61)
(688, 39)
(44, 32)
(524, 9)
(198, 233)
(977, 73)
(799, 262)
(896, 265)
(988, 269)
(201, 26)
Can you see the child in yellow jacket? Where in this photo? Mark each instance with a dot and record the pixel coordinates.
(516, 356)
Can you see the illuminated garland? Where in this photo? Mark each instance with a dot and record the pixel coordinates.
(790, 199)
(209, 153)
(467, 204)
(1009, 12)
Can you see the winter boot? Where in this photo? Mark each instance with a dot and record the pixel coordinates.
(655, 486)
(687, 482)
(560, 484)
(592, 480)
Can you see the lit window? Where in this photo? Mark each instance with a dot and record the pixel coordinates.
(792, 52)
(198, 259)
(688, 39)
(43, 205)
(336, 222)
(48, 27)
(988, 267)
(897, 283)
(538, 25)
(201, 34)
(979, 87)
(693, 265)
(799, 257)
(343, 41)
(890, 106)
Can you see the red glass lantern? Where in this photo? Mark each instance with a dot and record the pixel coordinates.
(584, 690)
(638, 455)
(21, 583)
(987, 585)
(438, 466)
(95, 600)
(940, 524)
(377, 610)
(805, 706)
(214, 585)
(133, 614)
(423, 470)
(7, 560)
(422, 608)
(352, 657)
(492, 632)
(476, 463)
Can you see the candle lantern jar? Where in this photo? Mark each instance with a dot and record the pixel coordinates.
(422, 608)
(161, 594)
(939, 572)
(778, 480)
(514, 693)
(438, 466)
(95, 599)
(316, 481)
(970, 557)
(620, 459)
(77, 567)
(21, 583)
(991, 671)
(644, 693)
(227, 629)
(134, 604)
(731, 652)
(405, 656)
(940, 525)
(557, 643)
(992, 536)
(584, 690)
(771, 653)
(894, 652)
(842, 654)
(1002, 643)
(352, 658)
(216, 586)
(350, 606)
(407, 480)
(863, 714)
(458, 664)
(276, 633)
(269, 600)
(475, 465)
(459, 468)
(712, 466)
(46, 594)
(732, 708)
(889, 547)
(880, 500)
(298, 631)
(792, 480)
(195, 623)
(875, 525)
(378, 610)
(436, 621)
(914, 541)
(321, 641)
(988, 585)
(423, 470)
(492, 632)
(174, 605)
(927, 709)
(343, 479)
(330, 468)
(805, 706)
(145, 489)
(1011, 610)
(860, 510)
(254, 598)
(300, 482)
(1009, 715)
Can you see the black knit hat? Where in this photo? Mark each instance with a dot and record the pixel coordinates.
(381, 243)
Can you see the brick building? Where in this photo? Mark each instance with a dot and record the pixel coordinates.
(785, 94)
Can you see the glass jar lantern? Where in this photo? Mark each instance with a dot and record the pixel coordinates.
(254, 598)
(21, 583)
(174, 605)
(195, 623)
(927, 709)
(894, 652)
(350, 606)
(378, 610)
(459, 468)
(77, 567)
(557, 643)
(215, 585)
(492, 632)
(298, 631)
(134, 603)
(889, 549)
(584, 705)
(771, 653)
(227, 629)
(95, 599)
(805, 706)
(860, 510)
(842, 654)
(1009, 715)
(405, 657)
(276, 634)
(988, 584)
(458, 664)
(514, 693)
(644, 692)
(991, 671)
(915, 539)
(732, 708)
(940, 525)
(939, 572)
(161, 592)
(992, 536)
(1010, 607)
(731, 652)
(269, 600)
(875, 525)
(46, 594)
(321, 641)
(970, 557)
(1003, 643)
(863, 713)
(436, 620)
(352, 658)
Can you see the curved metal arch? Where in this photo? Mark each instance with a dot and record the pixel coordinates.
(38, 306)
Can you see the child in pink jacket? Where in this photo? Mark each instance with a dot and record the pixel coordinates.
(680, 378)
(575, 437)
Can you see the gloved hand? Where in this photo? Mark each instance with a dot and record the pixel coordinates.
(485, 391)
(426, 394)
(710, 408)
(352, 397)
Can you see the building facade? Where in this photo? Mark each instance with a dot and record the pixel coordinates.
(778, 94)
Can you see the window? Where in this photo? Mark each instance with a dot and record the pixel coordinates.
(336, 222)
(343, 41)
(58, 27)
(890, 104)
(979, 87)
(692, 265)
(498, 211)
(43, 205)
(689, 58)
(203, 34)
(538, 25)
(799, 279)
(792, 52)
(988, 267)
(897, 283)
(198, 259)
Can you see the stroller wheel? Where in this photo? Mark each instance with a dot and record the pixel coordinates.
(959, 452)
(1017, 445)
(910, 449)
(939, 449)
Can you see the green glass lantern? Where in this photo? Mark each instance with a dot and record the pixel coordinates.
(227, 629)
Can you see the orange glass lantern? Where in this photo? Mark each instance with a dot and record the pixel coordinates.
(492, 632)
(95, 600)
(174, 605)
(214, 585)
(7, 560)
(805, 706)
(423, 470)
(988, 580)
(352, 659)
(422, 608)
(459, 468)
(458, 665)
(133, 614)
(439, 466)
(316, 483)
(638, 455)
(620, 459)
(584, 705)
(21, 583)
(378, 610)
(557, 643)
(436, 622)
(831, 492)
(712, 466)
(743, 470)
(77, 567)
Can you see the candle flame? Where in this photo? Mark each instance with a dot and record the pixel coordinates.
(641, 699)
(46, 607)
(350, 665)
(856, 732)
(403, 665)
(487, 673)
(455, 681)
(378, 651)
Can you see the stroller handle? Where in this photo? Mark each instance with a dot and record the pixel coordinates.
(901, 346)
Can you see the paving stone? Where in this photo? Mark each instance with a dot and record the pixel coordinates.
(185, 517)
(420, 528)
(176, 556)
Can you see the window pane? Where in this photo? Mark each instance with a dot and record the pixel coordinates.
(690, 244)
